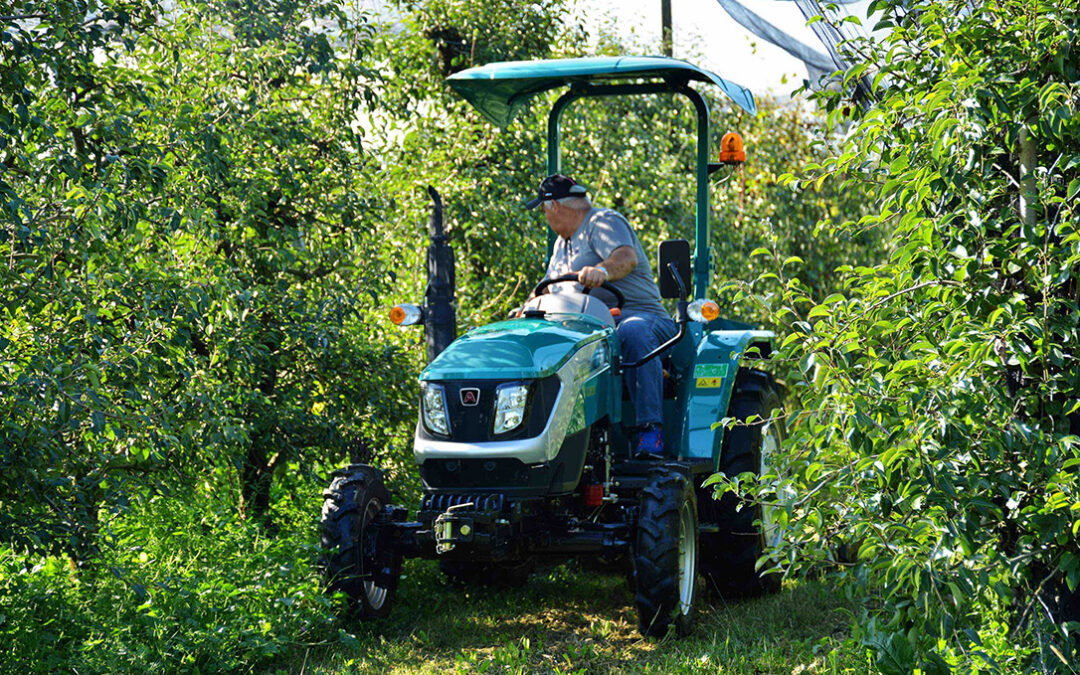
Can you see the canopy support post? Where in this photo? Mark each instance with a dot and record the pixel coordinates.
(554, 157)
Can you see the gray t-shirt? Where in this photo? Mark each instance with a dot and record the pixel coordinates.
(603, 231)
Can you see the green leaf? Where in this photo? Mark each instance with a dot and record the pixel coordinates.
(713, 479)
(1074, 187)
(895, 656)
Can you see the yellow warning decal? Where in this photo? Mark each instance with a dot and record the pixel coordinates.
(710, 382)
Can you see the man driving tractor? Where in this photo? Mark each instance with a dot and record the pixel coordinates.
(525, 448)
(599, 246)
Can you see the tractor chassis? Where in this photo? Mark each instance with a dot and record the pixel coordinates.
(492, 527)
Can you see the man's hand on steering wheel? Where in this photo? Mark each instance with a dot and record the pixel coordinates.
(591, 277)
(542, 287)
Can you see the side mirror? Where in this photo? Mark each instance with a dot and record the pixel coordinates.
(677, 252)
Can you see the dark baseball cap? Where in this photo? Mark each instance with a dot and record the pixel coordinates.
(556, 186)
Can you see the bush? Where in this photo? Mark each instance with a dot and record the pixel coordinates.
(184, 583)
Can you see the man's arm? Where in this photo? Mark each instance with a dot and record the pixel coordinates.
(620, 263)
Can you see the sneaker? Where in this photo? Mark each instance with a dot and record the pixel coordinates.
(650, 443)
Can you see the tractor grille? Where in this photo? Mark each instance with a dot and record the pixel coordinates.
(480, 502)
(467, 473)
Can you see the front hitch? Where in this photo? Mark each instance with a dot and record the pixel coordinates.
(452, 529)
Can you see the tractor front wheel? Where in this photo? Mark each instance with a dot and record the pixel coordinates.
(353, 561)
(665, 554)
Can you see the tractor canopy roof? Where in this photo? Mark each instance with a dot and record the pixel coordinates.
(499, 90)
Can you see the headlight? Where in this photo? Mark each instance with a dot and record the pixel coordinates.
(433, 408)
(510, 400)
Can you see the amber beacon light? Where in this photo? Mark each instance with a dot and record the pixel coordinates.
(731, 149)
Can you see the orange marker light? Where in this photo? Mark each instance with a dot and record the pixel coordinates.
(703, 310)
(406, 315)
(710, 310)
(731, 149)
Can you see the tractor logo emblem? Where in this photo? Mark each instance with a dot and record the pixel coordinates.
(470, 396)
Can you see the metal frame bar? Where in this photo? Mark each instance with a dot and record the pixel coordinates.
(702, 263)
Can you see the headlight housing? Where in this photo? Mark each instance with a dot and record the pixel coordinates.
(433, 408)
(510, 402)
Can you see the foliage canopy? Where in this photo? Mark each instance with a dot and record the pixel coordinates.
(205, 207)
(937, 453)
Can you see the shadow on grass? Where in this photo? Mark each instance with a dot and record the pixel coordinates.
(569, 621)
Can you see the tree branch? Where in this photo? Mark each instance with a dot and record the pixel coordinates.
(317, 273)
(891, 296)
(23, 17)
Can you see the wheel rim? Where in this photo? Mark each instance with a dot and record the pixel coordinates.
(376, 595)
(770, 445)
(687, 557)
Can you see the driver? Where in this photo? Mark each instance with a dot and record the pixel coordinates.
(598, 246)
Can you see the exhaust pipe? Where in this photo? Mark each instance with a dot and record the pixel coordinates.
(440, 315)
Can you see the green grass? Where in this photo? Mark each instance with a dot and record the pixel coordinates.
(187, 586)
(571, 621)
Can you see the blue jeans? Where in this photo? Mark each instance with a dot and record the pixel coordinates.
(639, 334)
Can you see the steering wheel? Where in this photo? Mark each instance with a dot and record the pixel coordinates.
(543, 285)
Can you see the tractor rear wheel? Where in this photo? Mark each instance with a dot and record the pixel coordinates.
(729, 556)
(352, 562)
(665, 554)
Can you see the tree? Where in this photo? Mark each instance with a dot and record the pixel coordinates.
(939, 442)
(187, 206)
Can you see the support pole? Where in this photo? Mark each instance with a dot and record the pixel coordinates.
(665, 27)
(702, 264)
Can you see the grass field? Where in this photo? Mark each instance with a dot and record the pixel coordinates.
(571, 621)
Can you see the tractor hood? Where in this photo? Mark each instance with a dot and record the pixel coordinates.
(518, 349)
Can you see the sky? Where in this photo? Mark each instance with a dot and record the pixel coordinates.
(707, 36)
(704, 34)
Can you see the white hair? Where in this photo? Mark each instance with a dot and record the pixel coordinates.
(578, 203)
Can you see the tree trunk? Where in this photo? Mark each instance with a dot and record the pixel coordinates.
(257, 471)
(256, 478)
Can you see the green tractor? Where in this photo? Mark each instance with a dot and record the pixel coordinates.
(522, 439)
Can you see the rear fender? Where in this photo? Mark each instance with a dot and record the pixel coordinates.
(710, 385)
